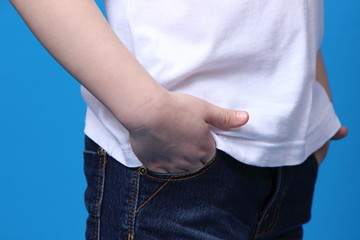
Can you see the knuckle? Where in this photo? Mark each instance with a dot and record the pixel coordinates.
(227, 117)
(204, 154)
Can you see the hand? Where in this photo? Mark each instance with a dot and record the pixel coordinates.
(321, 153)
(176, 135)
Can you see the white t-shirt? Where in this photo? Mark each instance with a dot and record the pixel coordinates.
(258, 56)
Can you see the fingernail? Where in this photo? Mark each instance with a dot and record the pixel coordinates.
(242, 116)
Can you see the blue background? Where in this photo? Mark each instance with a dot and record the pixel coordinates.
(41, 134)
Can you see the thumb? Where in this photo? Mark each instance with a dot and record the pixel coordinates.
(225, 119)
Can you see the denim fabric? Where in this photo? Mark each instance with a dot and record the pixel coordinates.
(225, 199)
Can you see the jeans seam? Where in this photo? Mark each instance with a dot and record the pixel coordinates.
(259, 233)
(99, 192)
(133, 203)
(276, 218)
(264, 203)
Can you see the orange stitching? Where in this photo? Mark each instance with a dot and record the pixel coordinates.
(277, 210)
(132, 207)
(130, 236)
(267, 195)
(153, 195)
(270, 204)
(97, 198)
(173, 178)
(277, 214)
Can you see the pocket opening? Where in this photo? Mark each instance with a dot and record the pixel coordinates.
(179, 176)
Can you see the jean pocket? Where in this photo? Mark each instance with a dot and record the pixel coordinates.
(180, 176)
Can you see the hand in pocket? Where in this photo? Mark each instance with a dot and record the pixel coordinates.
(176, 136)
(320, 154)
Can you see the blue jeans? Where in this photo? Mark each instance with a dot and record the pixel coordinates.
(225, 199)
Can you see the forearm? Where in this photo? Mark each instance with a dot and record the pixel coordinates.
(321, 75)
(79, 38)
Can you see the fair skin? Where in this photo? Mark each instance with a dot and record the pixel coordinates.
(322, 78)
(79, 38)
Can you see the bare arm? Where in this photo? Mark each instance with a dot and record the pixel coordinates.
(321, 75)
(322, 78)
(77, 35)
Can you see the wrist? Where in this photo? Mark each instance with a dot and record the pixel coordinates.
(147, 110)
